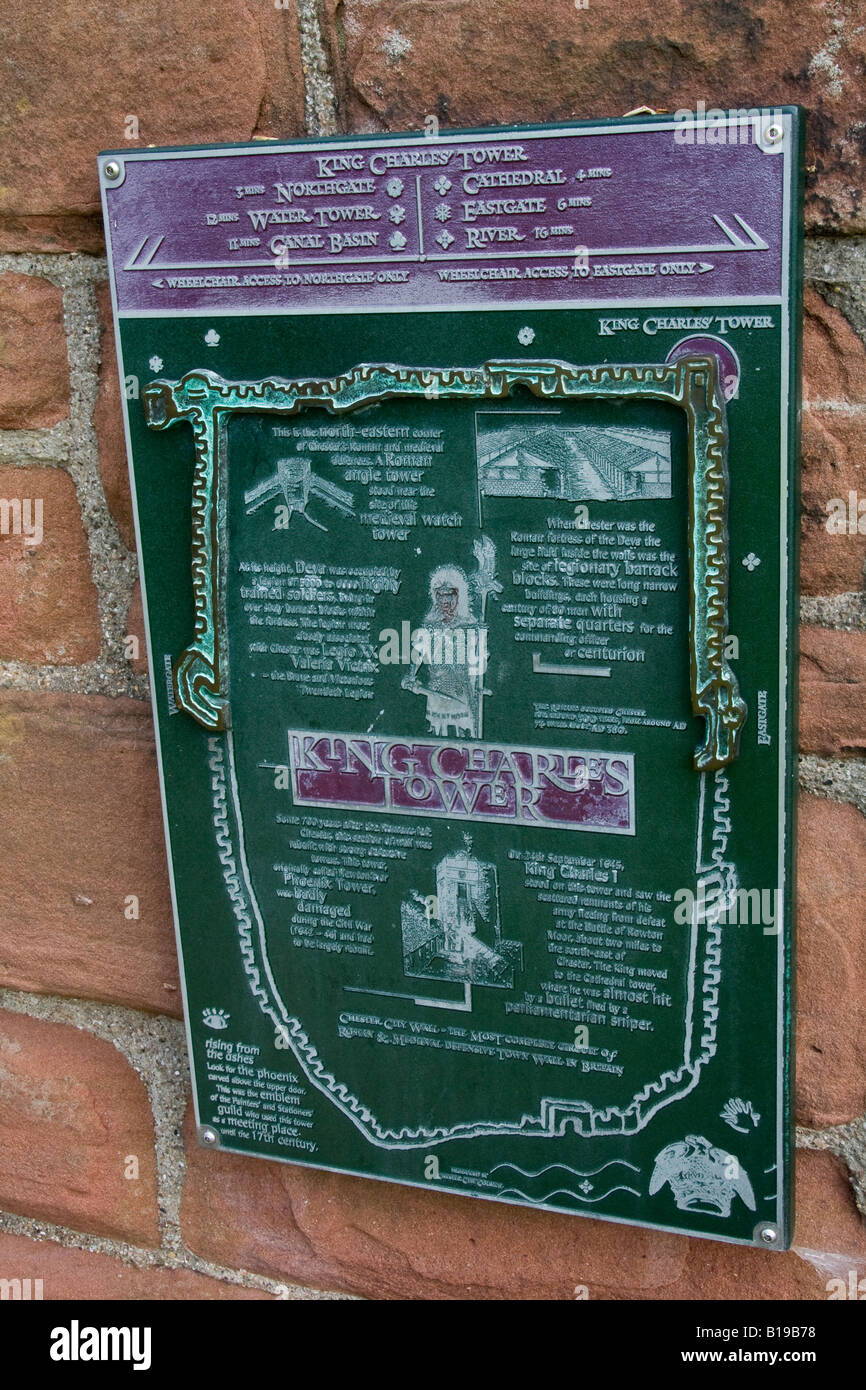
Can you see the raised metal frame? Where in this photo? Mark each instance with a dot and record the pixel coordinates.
(206, 401)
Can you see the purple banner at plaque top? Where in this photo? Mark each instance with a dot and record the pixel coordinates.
(627, 214)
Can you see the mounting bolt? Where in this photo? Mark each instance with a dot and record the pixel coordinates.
(209, 1136)
(111, 170)
(769, 1235)
(774, 133)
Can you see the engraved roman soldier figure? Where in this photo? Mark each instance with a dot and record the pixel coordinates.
(451, 647)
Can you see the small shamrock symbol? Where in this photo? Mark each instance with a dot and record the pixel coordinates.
(397, 241)
(526, 336)
(211, 337)
(751, 561)
(155, 363)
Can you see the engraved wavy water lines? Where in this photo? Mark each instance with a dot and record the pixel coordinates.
(565, 1168)
(565, 1192)
(586, 1191)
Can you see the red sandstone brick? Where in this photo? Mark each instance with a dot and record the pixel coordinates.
(49, 609)
(831, 949)
(82, 832)
(827, 1219)
(834, 465)
(326, 1230)
(72, 1113)
(834, 357)
(69, 1274)
(495, 61)
(832, 692)
(392, 1242)
(71, 75)
(834, 446)
(34, 368)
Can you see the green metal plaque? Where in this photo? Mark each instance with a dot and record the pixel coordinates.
(463, 477)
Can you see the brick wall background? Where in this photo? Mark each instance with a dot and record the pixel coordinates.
(103, 1191)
